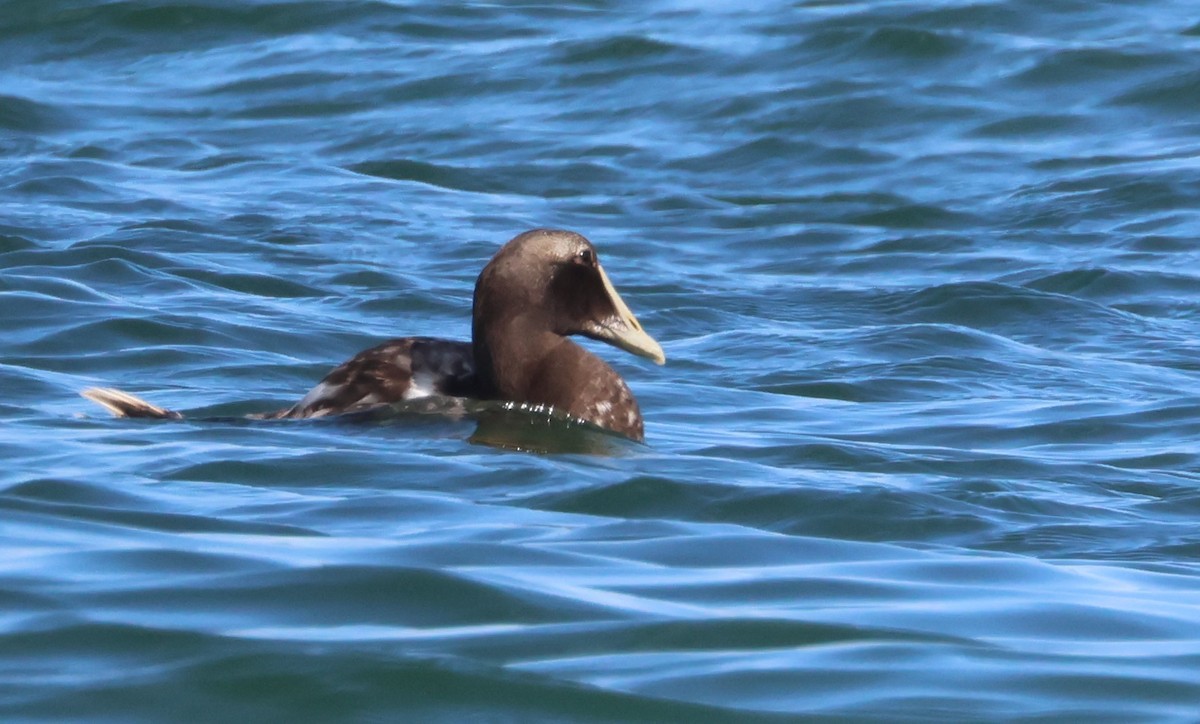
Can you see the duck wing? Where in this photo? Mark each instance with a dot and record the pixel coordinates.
(400, 369)
(406, 368)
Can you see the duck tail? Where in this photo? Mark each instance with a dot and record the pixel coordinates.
(123, 404)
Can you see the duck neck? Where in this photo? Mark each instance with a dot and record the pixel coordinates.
(508, 352)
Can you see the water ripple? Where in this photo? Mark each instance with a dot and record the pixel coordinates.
(923, 449)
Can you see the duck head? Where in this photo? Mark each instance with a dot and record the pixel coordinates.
(550, 281)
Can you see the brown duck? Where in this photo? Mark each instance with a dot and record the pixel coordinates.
(541, 287)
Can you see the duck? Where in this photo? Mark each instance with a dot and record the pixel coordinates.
(540, 289)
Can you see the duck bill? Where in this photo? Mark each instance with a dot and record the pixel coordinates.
(622, 329)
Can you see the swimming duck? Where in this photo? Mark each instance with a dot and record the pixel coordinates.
(539, 289)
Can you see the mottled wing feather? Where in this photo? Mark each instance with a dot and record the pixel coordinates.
(397, 370)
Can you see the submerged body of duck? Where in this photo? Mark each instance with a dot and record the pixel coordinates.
(541, 287)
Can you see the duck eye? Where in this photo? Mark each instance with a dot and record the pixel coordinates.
(586, 257)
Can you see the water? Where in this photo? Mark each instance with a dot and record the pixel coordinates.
(924, 448)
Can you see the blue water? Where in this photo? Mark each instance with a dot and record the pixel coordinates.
(925, 447)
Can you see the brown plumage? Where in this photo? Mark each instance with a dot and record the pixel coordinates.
(541, 287)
